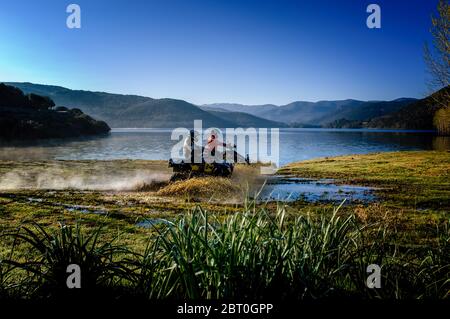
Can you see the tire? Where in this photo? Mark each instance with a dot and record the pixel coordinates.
(178, 177)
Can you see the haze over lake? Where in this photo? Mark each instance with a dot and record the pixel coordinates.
(155, 144)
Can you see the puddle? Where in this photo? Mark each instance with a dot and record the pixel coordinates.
(290, 189)
(34, 200)
(71, 208)
(149, 223)
(84, 209)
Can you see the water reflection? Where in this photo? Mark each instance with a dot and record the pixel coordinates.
(295, 144)
(288, 189)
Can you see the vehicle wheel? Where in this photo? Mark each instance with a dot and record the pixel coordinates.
(178, 177)
(197, 174)
(227, 174)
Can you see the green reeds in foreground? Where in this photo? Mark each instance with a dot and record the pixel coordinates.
(252, 254)
(44, 273)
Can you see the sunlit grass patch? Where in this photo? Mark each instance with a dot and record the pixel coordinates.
(414, 179)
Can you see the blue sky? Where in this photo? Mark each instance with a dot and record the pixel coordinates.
(244, 51)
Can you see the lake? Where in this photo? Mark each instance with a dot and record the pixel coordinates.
(155, 144)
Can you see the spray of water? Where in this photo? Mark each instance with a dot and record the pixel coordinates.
(55, 179)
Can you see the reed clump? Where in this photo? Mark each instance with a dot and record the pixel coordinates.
(253, 254)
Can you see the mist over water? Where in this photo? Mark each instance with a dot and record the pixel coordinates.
(155, 144)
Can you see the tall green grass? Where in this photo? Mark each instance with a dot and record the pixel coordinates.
(253, 254)
(44, 274)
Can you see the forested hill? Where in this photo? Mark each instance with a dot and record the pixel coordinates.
(138, 111)
(414, 115)
(34, 116)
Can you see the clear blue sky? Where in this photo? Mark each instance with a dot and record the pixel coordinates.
(245, 51)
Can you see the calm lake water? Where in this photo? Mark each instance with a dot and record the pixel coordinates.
(295, 144)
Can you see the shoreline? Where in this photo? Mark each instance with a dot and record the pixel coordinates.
(413, 179)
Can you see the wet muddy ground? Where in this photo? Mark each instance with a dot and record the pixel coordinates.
(149, 180)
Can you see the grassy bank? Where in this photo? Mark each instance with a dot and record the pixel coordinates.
(403, 179)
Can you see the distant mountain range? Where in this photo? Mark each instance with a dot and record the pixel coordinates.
(317, 113)
(138, 111)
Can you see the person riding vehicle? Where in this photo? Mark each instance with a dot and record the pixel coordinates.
(213, 144)
(194, 163)
(192, 151)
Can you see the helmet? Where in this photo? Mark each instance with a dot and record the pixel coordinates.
(213, 133)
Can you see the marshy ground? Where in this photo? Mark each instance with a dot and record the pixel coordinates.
(119, 194)
(412, 187)
(128, 197)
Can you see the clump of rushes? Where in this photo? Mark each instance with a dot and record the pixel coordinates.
(44, 274)
(253, 254)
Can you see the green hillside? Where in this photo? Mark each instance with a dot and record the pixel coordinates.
(137, 111)
(35, 116)
(416, 115)
(302, 113)
(407, 114)
(246, 120)
(366, 110)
